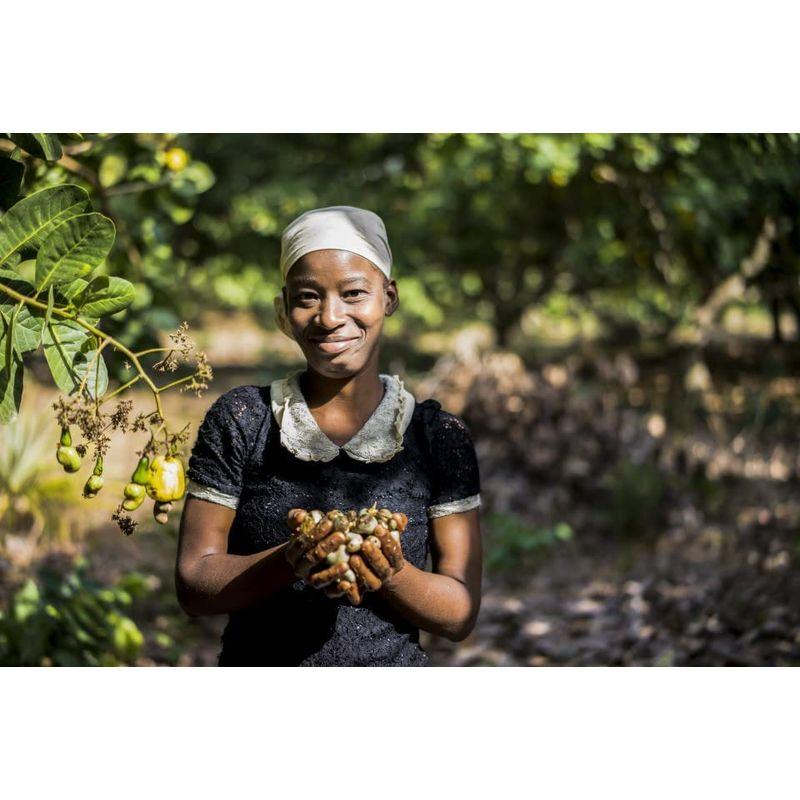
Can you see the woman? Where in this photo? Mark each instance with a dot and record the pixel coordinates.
(336, 435)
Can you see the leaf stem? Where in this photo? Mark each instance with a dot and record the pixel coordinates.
(175, 383)
(89, 366)
(121, 388)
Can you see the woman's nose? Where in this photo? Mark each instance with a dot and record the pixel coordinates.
(331, 312)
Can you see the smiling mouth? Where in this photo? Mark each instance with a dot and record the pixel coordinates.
(334, 346)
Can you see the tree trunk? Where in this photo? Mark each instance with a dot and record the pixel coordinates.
(504, 322)
(775, 309)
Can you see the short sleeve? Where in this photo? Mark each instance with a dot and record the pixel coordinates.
(455, 476)
(219, 456)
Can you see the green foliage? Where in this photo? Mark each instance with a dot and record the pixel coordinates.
(149, 185)
(102, 296)
(44, 145)
(27, 326)
(634, 503)
(512, 544)
(51, 241)
(30, 221)
(73, 249)
(71, 620)
(71, 353)
(69, 246)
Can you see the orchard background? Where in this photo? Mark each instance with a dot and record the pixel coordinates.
(616, 318)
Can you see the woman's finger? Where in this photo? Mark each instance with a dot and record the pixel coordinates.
(351, 590)
(321, 530)
(333, 589)
(364, 575)
(309, 534)
(389, 547)
(320, 550)
(371, 551)
(328, 575)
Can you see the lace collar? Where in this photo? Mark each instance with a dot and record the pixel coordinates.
(379, 439)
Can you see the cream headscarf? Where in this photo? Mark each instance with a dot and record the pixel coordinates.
(333, 228)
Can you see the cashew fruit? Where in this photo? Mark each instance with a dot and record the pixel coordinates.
(166, 479)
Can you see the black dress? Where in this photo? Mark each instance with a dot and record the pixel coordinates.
(238, 453)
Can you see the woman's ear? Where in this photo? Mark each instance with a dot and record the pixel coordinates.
(392, 297)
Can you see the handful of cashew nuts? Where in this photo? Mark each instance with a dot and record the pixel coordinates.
(346, 553)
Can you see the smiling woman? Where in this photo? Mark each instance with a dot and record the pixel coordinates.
(336, 435)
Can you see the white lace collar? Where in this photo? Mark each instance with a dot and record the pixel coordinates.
(379, 439)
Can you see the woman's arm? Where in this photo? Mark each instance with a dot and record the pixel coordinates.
(444, 602)
(208, 579)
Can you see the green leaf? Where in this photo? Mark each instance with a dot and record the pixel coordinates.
(74, 249)
(11, 374)
(25, 269)
(13, 261)
(27, 333)
(50, 303)
(11, 173)
(26, 601)
(195, 179)
(112, 170)
(6, 344)
(72, 289)
(43, 145)
(105, 295)
(29, 222)
(70, 350)
(10, 333)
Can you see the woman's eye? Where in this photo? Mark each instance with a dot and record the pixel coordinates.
(310, 297)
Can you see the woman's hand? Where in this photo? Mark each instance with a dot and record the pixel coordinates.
(379, 558)
(327, 556)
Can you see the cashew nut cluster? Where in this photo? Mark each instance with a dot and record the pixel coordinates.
(358, 550)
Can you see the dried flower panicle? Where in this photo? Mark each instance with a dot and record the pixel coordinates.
(176, 441)
(120, 416)
(124, 520)
(86, 413)
(202, 374)
(181, 341)
(169, 363)
(145, 420)
(182, 348)
(83, 412)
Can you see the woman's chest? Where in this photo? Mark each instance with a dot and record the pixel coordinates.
(279, 481)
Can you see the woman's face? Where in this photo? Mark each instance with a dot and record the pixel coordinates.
(336, 302)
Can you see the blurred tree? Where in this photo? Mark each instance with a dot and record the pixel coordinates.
(650, 233)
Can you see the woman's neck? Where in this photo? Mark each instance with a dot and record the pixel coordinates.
(351, 396)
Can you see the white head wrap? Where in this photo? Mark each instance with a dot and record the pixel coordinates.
(334, 228)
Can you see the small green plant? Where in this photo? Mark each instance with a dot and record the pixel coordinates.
(68, 619)
(513, 542)
(35, 495)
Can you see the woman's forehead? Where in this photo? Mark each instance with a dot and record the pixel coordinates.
(332, 267)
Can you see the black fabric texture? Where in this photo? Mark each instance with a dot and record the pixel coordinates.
(238, 452)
